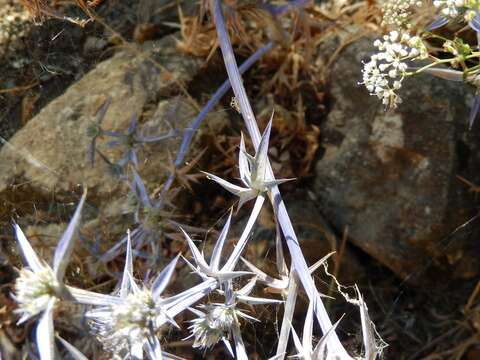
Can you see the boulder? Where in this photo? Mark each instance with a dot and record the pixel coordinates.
(50, 151)
(48, 158)
(390, 176)
(315, 236)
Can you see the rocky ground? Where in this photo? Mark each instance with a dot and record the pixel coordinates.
(392, 192)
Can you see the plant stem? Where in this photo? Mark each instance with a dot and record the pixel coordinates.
(333, 342)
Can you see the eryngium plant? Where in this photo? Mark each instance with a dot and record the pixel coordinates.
(131, 322)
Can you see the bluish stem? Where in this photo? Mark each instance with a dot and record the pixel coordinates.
(192, 129)
(333, 342)
(221, 91)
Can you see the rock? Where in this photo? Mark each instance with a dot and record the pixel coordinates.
(314, 234)
(94, 44)
(51, 150)
(45, 160)
(391, 176)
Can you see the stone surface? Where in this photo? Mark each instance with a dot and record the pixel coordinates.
(390, 177)
(314, 234)
(51, 150)
(46, 159)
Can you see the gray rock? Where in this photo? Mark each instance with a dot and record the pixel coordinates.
(51, 150)
(315, 236)
(390, 176)
(45, 160)
(93, 44)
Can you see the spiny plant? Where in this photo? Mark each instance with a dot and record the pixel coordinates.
(133, 320)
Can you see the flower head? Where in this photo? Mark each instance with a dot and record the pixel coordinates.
(212, 325)
(221, 321)
(384, 73)
(34, 290)
(39, 286)
(128, 323)
(397, 12)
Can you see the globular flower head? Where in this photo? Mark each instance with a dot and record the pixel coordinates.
(212, 325)
(34, 290)
(129, 324)
(39, 286)
(220, 321)
(138, 311)
(39, 283)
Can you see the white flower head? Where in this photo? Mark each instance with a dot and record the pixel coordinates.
(39, 286)
(212, 325)
(128, 324)
(397, 12)
(221, 321)
(34, 290)
(384, 73)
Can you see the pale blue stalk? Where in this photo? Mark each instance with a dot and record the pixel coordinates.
(333, 342)
(192, 129)
(237, 251)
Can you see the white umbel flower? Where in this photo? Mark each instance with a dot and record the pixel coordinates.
(384, 73)
(397, 12)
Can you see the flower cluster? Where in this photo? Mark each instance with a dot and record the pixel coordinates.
(34, 290)
(384, 73)
(397, 12)
(130, 321)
